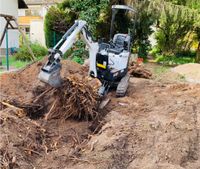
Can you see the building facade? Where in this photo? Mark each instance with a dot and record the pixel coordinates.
(31, 20)
(10, 7)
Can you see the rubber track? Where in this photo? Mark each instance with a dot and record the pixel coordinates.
(123, 86)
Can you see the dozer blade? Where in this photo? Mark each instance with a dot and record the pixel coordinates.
(52, 78)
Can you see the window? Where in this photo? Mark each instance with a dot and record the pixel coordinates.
(32, 12)
(27, 30)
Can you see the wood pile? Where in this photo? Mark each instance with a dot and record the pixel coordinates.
(139, 71)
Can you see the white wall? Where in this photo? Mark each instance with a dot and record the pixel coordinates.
(21, 12)
(37, 26)
(9, 7)
(44, 10)
(37, 32)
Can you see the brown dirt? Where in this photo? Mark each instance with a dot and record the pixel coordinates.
(156, 126)
(23, 84)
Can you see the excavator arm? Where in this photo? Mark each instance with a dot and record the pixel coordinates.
(50, 72)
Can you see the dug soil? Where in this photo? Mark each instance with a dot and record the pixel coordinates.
(156, 126)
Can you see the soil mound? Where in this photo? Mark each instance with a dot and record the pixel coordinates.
(33, 114)
(24, 141)
(75, 98)
(190, 71)
(24, 83)
(156, 126)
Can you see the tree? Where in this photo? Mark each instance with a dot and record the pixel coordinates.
(144, 21)
(173, 23)
(57, 21)
(59, 18)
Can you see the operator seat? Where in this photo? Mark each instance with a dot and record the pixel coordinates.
(121, 42)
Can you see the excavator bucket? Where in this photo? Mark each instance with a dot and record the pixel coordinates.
(52, 77)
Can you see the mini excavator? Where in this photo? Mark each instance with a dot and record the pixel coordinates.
(107, 61)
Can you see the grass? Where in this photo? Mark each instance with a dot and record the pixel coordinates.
(163, 73)
(174, 60)
(15, 63)
(158, 70)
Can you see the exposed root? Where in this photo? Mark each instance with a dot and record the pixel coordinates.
(28, 130)
(18, 111)
(137, 70)
(75, 98)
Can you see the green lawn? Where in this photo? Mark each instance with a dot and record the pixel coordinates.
(15, 63)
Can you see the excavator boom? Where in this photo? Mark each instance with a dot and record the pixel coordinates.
(50, 72)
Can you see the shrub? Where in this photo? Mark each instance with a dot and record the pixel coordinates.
(78, 59)
(23, 53)
(57, 21)
(174, 60)
(77, 53)
(154, 52)
(79, 50)
(188, 53)
(61, 17)
(143, 51)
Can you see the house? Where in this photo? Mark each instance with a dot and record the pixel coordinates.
(10, 7)
(31, 20)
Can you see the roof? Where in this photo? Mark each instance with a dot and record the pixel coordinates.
(22, 4)
(124, 7)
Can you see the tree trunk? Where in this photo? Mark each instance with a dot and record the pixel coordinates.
(198, 54)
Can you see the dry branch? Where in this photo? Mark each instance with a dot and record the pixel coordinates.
(19, 112)
(75, 99)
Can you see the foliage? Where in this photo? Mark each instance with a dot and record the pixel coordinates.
(61, 17)
(92, 11)
(173, 60)
(187, 53)
(190, 3)
(144, 21)
(78, 59)
(23, 53)
(143, 50)
(155, 51)
(57, 21)
(197, 30)
(79, 52)
(174, 23)
(180, 57)
(21, 39)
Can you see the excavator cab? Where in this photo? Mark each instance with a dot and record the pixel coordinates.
(115, 10)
